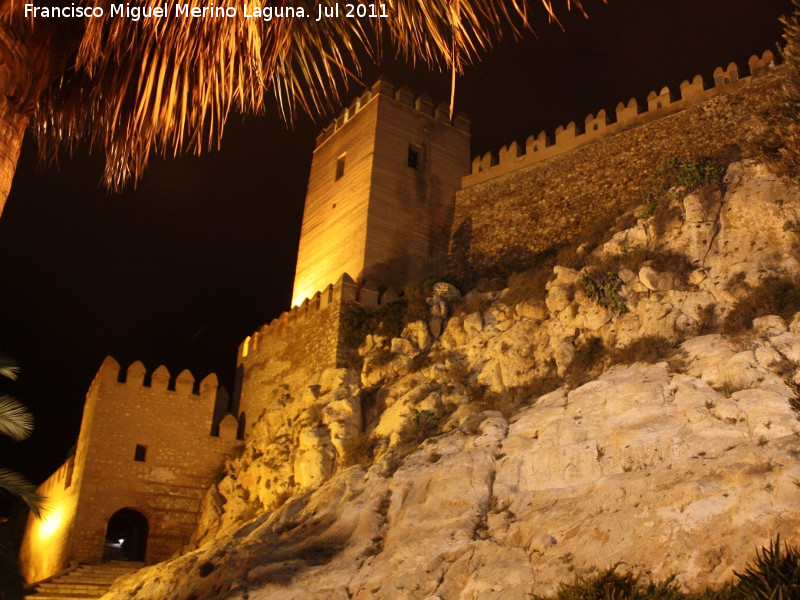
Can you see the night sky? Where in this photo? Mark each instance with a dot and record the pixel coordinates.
(202, 253)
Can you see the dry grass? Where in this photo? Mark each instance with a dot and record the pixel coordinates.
(358, 450)
(588, 362)
(647, 349)
(772, 296)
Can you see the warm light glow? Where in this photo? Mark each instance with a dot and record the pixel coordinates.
(301, 296)
(51, 522)
(245, 346)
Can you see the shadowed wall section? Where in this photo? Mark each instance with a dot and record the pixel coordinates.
(520, 203)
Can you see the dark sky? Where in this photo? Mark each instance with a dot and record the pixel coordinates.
(202, 253)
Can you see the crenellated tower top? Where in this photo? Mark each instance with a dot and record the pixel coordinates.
(380, 193)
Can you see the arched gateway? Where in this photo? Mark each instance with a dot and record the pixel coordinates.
(126, 536)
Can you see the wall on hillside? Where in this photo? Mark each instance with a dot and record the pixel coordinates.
(283, 354)
(509, 211)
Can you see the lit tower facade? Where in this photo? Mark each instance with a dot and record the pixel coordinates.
(380, 194)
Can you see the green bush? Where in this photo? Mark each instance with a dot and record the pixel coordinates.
(608, 584)
(772, 296)
(358, 450)
(528, 285)
(356, 323)
(415, 295)
(380, 357)
(775, 575)
(603, 289)
(708, 319)
(663, 261)
(675, 172)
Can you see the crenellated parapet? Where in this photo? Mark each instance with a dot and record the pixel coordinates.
(344, 290)
(160, 379)
(383, 86)
(626, 115)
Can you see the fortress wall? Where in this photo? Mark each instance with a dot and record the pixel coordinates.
(508, 212)
(52, 531)
(182, 459)
(173, 420)
(283, 354)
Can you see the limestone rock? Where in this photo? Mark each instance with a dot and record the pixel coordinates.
(655, 281)
(694, 461)
(315, 460)
(419, 334)
(769, 325)
(532, 310)
(558, 298)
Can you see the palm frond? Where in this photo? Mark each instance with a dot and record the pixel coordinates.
(8, 366)
(15, 484)
(15, 419)
(169, 84)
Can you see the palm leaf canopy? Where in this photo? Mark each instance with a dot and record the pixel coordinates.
(15, 484)
(8, 366)
(15, 420)
(168, 84)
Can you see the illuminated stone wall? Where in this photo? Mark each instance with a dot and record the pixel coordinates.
(282, 355)
(515, 205)
(174, 422)
(45, 548)
(372, 209)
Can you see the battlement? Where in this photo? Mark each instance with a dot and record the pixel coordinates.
(384, 87)
(160, 379)
(627, 115)
(344, 290)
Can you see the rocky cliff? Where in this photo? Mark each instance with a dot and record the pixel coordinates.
(636, 404)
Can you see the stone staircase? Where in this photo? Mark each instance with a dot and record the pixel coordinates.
(87, 581)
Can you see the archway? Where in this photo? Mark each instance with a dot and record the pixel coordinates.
(126, 536)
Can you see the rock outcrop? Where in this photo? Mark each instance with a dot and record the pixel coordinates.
(513, 440)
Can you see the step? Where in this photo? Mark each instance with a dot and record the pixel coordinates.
(84, 583)
(61, 587)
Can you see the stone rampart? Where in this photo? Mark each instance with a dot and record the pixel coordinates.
(516, 205)
(283, 354)
(144, 445)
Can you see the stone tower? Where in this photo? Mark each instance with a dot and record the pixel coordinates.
(148, 449)
(380, 194)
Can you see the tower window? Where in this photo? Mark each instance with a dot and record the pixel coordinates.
(141, 453)
(339, 167)
(414, 157)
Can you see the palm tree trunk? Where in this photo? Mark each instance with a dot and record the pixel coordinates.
(12, 130)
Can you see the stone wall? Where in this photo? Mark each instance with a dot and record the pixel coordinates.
(283, 354)
(46, 546)
(509, 211)
(173, 422)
